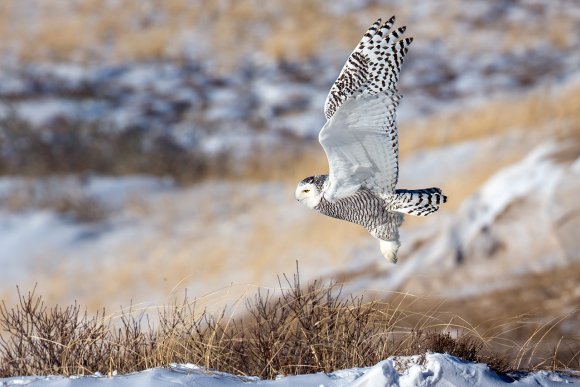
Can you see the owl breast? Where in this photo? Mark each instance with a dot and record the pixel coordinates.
(363, 208)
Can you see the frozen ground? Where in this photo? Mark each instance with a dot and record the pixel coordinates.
(153, 238)
(437, 370)
(107, 240)
(150, 237)
(202, 110)
(523, 220)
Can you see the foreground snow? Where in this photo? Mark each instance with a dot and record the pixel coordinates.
(438, 370)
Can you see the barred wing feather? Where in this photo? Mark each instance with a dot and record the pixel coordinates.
(373, 67)
(360, 142)
(360, 137)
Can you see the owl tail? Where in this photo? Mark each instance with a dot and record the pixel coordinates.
(418, 202)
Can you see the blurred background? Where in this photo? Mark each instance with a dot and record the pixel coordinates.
(148, 147)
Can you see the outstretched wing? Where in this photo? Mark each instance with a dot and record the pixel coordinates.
(360, 137)
(373, 67)
(360, 141)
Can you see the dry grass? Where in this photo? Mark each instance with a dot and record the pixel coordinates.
(541, 116)
(524, 36)
(205, 247)
(536, 317)
(134, 30)
(294, 330)
(553, 112)
(90, 30)
(76, 148)
(74, 205)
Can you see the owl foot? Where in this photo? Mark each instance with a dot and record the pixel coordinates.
(389, 249)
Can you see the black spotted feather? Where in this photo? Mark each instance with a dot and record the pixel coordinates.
(373, 67)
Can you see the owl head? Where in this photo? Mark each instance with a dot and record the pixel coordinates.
(309, 191)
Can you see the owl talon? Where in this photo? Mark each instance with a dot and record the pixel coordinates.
(389, 250)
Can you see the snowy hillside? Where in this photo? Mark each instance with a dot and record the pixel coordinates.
(522, 220)
(435, 370)
(192, 106)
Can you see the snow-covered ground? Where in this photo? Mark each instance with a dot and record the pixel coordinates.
(202, 110)
(150, 237)
(522, 220)
(436, 370)
(153, 238)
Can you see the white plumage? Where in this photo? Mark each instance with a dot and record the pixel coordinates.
(359, 146)
(361, 143)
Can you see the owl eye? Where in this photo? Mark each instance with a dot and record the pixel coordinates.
(306, 190)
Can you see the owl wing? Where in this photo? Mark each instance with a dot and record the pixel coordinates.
(360, 136)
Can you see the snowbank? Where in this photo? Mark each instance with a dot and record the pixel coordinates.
(524, 219)
(437, 370)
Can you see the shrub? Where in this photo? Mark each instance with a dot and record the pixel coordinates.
(294, 330)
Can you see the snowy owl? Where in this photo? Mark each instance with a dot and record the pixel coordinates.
(360, 141)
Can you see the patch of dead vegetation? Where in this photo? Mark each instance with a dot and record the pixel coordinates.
(554, 112)
(295, 330)
(535, 318)
(89, 30)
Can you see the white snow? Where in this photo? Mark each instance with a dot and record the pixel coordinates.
(536, 176)
(191, 224)
(187, 237)
(436, 370)
(508, 228)
(39, 112)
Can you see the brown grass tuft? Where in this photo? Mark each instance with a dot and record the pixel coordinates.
(300, 330)
(294, 330)
(548, 111)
